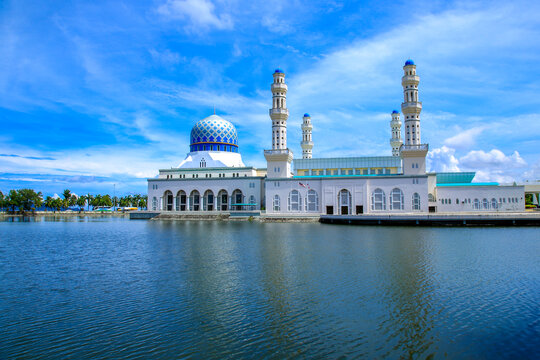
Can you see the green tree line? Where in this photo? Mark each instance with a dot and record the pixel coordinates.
(24, 200)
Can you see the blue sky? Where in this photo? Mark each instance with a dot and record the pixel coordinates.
(99, 95)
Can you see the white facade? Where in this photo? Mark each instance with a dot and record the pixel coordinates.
(475, 198)
(347, 195)
(213, 176)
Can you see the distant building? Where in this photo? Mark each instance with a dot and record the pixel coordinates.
(213, 176)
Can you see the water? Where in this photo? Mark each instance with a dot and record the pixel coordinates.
(114, 288)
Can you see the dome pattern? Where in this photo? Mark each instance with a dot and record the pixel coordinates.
(214, 134)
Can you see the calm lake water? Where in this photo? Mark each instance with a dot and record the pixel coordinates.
(114, 288)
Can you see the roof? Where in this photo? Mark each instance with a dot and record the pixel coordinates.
(409, 62)
(455, 177)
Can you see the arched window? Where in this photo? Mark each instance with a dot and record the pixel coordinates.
(194, 201)
(277, 203)
(223, 200)
(345, 202)
(294, 202)
(494, 204)
(208, 200)
(168, 198)
(431, 197)
(203, 163)
(396, 199)
(416, 201)
(485, 203)
(312, 201)
(154, 203)
(476, 204)
(378, 200)
(237, 199)
(181, 200)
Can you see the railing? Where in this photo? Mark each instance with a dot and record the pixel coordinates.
(279, 87)
(278, 111)
(277, 151)
(419, 147)
(411, 104)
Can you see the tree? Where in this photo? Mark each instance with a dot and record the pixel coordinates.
(89, 201)
(2, 201)
(57, 204)
(81, 201)
(72, 200)
(106, 200)
(143, 201)
(67, 195)
(24, 199)
(49, 203)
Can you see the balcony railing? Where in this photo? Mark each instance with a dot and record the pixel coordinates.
(419, 147)
(277, 151)
(280, 87)
(278, 111)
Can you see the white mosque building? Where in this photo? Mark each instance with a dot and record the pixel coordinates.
(213, 176)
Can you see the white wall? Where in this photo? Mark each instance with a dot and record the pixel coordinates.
(461, 198)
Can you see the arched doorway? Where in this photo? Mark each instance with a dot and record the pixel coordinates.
(194, 201)
(168, 201)
(223, 200)
(237, 199)
(208, 200)
(345, 202)
(181, 201)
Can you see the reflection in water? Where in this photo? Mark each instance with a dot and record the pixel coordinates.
(109, 287)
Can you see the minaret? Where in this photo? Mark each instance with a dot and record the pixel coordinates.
(280, 157)
(395, 141)
(279, 112)
(411, 107)
(413, 152)
(307, 142)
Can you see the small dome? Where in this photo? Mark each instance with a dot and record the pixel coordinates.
(278, 71)
(395, 112)
(214, 134)
(306, 115)
(409, 62)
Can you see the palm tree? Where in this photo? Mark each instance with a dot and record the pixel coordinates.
(90, 200)
(81, 201)
(67, 195)
(49, 202)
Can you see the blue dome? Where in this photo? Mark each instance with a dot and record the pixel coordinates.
(214, 134)
(278, 71)
(409, 62)
(395, 112)
(306, 115)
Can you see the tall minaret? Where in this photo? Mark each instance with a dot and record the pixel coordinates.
(395, 141)
(413, 152)
(411, 107)
(307, 142)
(280, 157)
(279, 112)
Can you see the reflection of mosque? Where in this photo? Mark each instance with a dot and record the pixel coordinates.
(213, 176)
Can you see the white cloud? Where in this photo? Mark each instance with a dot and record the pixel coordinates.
(494, 159)
(464, 139)
(199, 13)
(442, 160)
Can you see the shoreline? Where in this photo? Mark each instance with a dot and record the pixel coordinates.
(526, 218)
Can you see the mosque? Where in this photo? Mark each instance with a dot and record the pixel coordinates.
(213, 176)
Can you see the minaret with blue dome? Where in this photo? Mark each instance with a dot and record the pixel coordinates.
(395, 125)
(307, 141)
(413, 152)
(411, 107)
(280, 157)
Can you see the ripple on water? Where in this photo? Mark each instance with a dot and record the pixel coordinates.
(111, 288)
